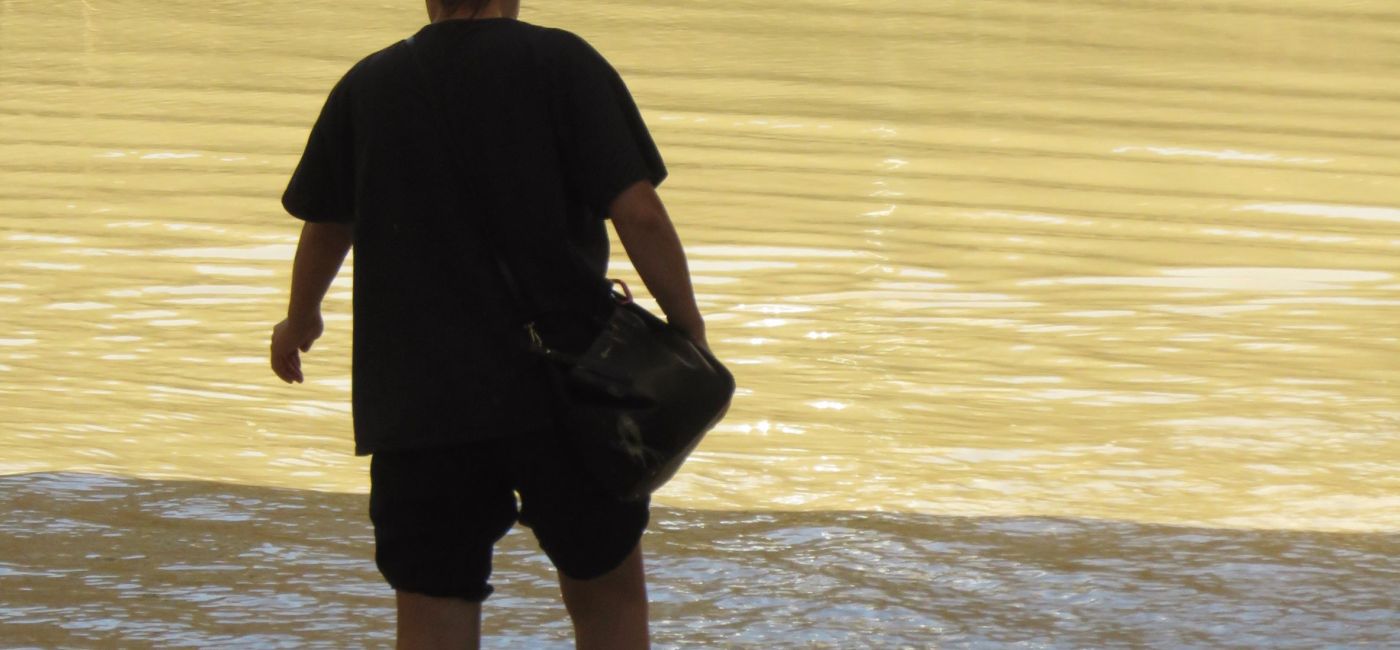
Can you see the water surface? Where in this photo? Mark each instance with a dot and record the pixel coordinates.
(183, 563)
(1130, 268)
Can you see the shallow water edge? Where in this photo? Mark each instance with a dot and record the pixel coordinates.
(118, 562)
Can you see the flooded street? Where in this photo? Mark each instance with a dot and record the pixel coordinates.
(1062, 324)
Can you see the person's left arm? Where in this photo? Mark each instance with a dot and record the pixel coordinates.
(320, 253)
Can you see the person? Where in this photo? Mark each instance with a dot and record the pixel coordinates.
(533, 144)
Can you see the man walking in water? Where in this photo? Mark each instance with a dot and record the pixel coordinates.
(455, 413)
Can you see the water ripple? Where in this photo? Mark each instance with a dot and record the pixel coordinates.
(294, 568)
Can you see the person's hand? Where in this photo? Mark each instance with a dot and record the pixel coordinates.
(696, 334)
(290, 338)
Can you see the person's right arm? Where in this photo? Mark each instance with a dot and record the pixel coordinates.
(654, 248)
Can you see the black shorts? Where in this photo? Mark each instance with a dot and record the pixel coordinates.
(438, 512)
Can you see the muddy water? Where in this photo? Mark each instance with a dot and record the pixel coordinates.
(129, 563)
(990, 274)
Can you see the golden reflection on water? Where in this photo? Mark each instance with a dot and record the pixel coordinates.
(1074, 258)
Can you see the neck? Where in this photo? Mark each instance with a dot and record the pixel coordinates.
(491, 10)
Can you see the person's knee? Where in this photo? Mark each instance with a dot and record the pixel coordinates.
(437, 622)
(625, 583)
(610, 611)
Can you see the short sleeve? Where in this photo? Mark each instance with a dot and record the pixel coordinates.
(323, 186)
(605, 146)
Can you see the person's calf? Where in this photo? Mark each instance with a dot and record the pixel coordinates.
(609, 612)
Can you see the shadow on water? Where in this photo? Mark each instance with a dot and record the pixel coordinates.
(96, 560)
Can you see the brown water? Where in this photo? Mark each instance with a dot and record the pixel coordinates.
(126, 563)
(991, 274)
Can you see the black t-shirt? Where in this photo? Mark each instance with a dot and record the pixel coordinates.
(549, 135)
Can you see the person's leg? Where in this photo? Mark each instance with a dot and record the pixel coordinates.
(430, 623)
(610, 611)
(593, 539)
(437, 513)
